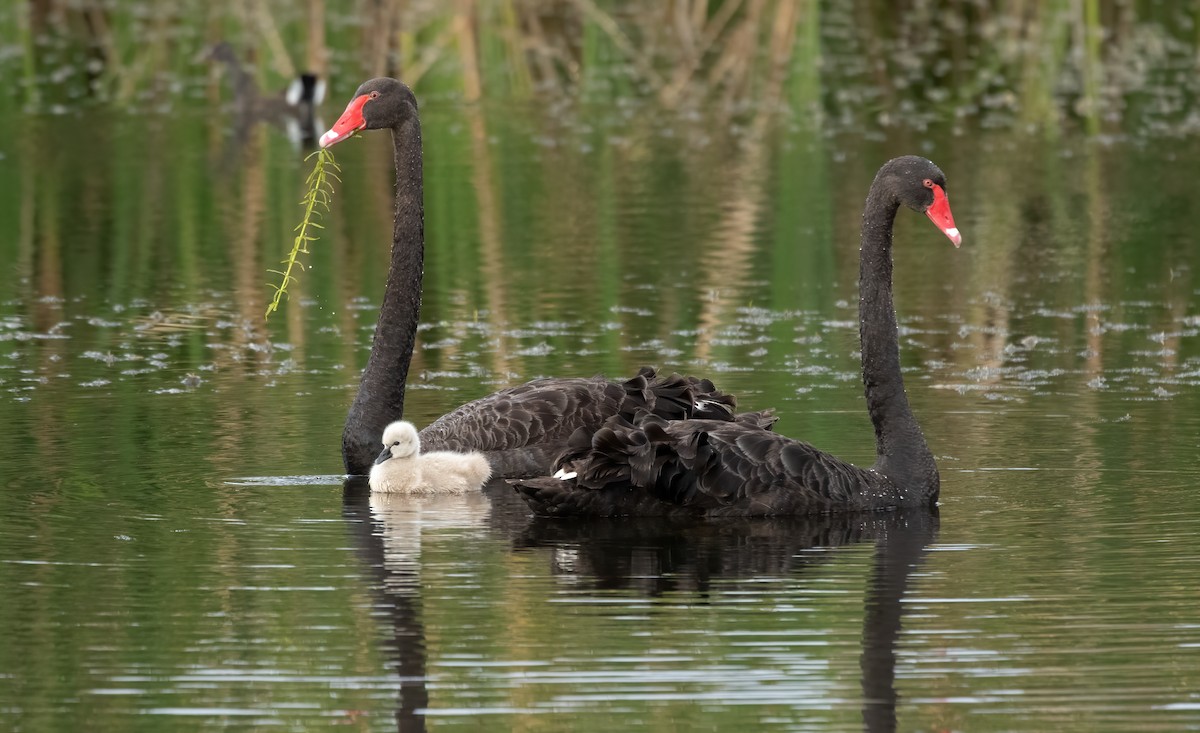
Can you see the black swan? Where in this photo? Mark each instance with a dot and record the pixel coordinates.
(520, 430)
(652, 467)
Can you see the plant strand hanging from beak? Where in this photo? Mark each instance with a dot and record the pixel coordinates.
(318, 196)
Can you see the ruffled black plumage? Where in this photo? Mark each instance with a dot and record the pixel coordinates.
(523, 429)
(655, 467)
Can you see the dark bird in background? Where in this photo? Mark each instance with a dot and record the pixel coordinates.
(294, 109)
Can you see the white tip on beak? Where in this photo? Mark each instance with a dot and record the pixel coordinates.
(955, 237)
(328, 139)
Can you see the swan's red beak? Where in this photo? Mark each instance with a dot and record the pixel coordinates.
(938, 213)
(349, 123)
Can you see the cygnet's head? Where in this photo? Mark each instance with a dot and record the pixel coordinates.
(399, 441)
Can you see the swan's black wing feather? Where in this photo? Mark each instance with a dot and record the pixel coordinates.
(714, 468)
(522, 429)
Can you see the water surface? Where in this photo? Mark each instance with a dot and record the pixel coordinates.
(177, 549)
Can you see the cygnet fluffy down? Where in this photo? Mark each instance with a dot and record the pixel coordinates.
(402, 469)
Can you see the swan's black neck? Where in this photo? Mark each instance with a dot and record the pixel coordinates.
(901, 451)
(380, 398)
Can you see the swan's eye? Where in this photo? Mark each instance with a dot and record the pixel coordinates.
(927, 183)
(374, 95)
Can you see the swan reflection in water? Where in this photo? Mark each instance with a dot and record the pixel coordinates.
(647, 557)
(387, 531)
(654, 557)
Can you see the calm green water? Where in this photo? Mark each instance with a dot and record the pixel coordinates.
(177, 551)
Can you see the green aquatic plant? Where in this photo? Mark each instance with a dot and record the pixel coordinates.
(320, 192)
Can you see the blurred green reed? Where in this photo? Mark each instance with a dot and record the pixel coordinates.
(1043, 62)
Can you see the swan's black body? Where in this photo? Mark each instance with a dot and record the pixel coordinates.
(660, 468)
(652, 467)
(521, 429)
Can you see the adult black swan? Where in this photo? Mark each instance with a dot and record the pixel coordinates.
(520, 430)
(652, 467)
